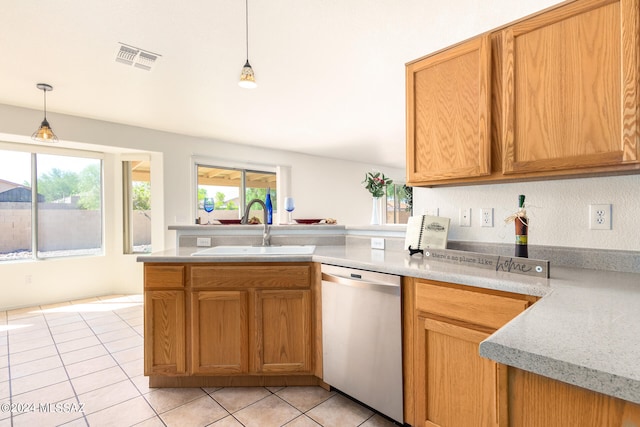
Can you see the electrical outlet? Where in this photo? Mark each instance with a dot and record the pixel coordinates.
(203, 241)
(600, 217)
(465, 217)
(486, 217)
(377, 243)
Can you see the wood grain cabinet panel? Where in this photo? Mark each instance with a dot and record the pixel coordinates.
(283, 331)
(252, 319)
(164, 276)
(537, 401)
(164, 333)
(477, 308)
(251, 276)
(448, 113)
(553, 94)
(571, 78)
(219, 332)
(452, 385)
(457, 387)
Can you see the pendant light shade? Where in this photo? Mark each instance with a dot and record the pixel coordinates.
(247, 78)
(44, 132)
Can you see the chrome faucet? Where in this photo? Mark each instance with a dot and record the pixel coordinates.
(266, 234)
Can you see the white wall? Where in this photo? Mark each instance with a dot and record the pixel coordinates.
(322, 187)
(558, 211)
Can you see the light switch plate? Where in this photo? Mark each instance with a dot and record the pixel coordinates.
(203, 241)
(377, 243)
(465, 217)
(432, 211)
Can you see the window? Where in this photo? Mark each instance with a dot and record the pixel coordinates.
(231, 190)
(136, 180)
(15, 205)
(399, 203)
(67, 190)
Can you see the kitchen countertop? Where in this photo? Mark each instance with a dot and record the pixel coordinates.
(584, 331)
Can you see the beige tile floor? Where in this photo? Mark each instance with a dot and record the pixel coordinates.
(80, 364)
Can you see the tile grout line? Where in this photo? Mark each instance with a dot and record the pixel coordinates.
(86, 318)
(64, 366)
(6, 315)
(140, 394)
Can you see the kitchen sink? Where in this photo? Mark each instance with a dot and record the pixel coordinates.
(257, 250)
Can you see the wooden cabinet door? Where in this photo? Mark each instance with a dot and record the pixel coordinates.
(454, 385)
(283, 331)
(219, 332)
(164, 333)
(570, 95)
(448, 113)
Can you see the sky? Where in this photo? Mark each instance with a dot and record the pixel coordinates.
(15, 166)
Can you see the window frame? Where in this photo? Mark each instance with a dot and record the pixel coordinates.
(128, 229)
(238, 166)
(396, 203)
(34, 150)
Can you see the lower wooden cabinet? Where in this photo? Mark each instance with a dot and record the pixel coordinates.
(282, 331)
(229, 337)
(164, 333)
(451, 385)
(219, 332)
(537, 401)
(457, 386)
(233, 321)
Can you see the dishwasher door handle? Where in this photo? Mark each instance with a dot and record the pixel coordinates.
(360, 283)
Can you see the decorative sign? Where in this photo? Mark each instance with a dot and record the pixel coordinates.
(507, 264)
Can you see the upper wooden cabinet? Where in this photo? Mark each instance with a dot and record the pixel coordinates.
(570, 98)
(562, 99)
(448, 113)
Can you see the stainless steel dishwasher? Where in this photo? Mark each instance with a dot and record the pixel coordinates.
(362, 337)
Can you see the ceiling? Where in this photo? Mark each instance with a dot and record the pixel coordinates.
(330, 73)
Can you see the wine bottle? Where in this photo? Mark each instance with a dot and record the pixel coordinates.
(269, 206)
(522, 229)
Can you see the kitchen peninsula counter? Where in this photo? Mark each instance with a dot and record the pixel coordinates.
(582, 331)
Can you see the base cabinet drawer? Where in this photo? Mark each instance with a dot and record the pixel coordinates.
(466, 305)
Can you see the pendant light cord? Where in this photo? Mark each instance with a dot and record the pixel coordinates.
(246, 15)
(45, 103)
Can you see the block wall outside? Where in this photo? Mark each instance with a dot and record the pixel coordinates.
(60, 228)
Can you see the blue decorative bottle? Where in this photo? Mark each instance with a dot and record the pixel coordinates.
(269, 206)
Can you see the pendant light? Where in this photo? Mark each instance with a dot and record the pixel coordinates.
(44, 132)
(247, 78)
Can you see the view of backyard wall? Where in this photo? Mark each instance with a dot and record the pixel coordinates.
(61, 228)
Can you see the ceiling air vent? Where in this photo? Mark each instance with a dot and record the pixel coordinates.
(136, 57)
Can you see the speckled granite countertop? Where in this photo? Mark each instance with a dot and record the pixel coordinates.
(584, 331)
